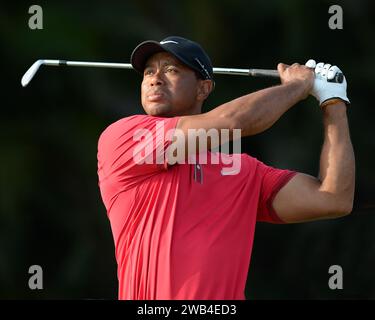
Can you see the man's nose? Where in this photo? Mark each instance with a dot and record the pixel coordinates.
(157, 79)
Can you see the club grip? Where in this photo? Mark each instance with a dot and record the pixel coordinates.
(264, 73)
(339, 78)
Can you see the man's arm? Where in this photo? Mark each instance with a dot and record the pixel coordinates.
(306, 198)
(255, 112)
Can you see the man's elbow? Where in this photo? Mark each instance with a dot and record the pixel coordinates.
(343, 212)
(341, 209)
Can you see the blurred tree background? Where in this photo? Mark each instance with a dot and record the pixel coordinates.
(51, 211)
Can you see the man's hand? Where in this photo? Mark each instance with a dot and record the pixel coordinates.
(299, 74)
(324, 90)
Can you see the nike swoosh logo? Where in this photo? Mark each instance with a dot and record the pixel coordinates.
(229, 173)
(168, 41)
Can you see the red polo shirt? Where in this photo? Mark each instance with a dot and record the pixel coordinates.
(181, 231)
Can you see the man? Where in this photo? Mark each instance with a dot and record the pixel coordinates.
(184, 230)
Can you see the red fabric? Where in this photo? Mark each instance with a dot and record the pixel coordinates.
(272, 181)
(177, 237)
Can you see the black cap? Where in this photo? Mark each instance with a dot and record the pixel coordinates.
(188, 52)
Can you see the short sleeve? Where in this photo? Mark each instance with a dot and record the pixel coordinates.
(272, 180)
(133, 149)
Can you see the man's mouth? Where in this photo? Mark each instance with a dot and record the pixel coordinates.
(155, 96)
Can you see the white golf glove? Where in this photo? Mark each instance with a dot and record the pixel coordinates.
(324, 90)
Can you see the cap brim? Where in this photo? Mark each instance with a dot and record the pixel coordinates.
(144, 51)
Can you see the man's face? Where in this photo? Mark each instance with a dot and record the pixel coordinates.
(169, 88)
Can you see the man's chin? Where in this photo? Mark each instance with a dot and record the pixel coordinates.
(159, 110)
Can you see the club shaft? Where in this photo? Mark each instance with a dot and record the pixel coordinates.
(339, 77)
(229, 71)
(27, 77)
(248, 72)
(87, 64)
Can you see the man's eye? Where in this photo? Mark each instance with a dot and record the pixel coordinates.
(172, 70)
(148, 72)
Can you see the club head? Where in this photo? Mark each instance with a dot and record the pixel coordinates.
(31, 72)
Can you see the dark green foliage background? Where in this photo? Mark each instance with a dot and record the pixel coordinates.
(51, 212)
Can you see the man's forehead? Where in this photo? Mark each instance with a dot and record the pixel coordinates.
(163, 58)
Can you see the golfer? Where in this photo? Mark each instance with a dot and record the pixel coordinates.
(184, 229)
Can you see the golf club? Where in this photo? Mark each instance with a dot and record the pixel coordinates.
(27, 77)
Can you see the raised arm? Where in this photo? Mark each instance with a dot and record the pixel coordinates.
(331, 194)
(255, 112)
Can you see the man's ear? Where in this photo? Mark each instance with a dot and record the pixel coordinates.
(204, 89)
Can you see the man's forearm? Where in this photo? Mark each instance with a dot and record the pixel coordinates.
(337, 163)
(256, 112)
